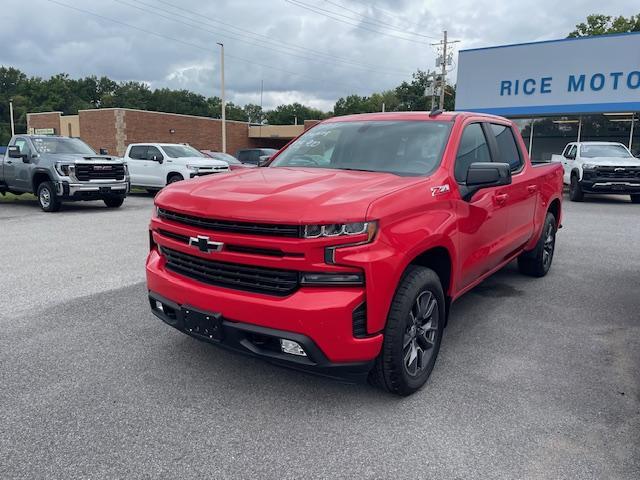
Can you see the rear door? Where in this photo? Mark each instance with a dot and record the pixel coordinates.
(482, 219)
(522, 194)
(139, 167)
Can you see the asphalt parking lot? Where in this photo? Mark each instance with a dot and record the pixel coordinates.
(535, 379)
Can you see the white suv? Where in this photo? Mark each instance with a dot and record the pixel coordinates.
(155, 165)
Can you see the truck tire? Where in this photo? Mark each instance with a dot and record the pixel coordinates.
(635, 198)
(113, 202)
(412, 335)
(537, 262)
(47, 197)
(575, 190)
(173, 178)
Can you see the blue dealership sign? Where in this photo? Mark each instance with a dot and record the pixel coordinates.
(582, 75)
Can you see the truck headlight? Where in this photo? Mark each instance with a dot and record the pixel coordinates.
(589, 166)
(64, 169)
(341, 229)
(193, 168)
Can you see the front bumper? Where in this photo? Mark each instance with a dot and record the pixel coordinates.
(90, 190)
(263, 342)
(321, 316)
(620, 187)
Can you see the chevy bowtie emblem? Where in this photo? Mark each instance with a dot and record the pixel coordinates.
(204, 244)
(619, 169)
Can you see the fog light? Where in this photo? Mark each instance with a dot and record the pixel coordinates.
(159, 306)
(292, 348)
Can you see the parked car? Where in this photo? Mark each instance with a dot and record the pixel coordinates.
(348, 266)
(233, 162)
(58, 169)
(599, 167)
(155, 165)
(254, 156)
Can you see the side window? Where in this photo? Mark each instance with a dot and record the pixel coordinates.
(565, 152)
(139, 152)
(154, 152)
(572, 151)
(473, 148)
(23, 145)
(242, 156)
(507, 146)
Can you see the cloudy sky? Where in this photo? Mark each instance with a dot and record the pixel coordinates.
(311, 51)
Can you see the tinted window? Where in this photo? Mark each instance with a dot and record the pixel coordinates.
(138, 152)
(23, 145)
(507, 147)
(153, 152)
(249, 156)
(398, 147)
(473, 148)
(565, 152)
(572, 151)
(61, 145)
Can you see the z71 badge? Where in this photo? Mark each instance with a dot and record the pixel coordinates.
(439, 190)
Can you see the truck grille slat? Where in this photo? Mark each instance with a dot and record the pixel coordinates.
(102, 171)
(277, 230)
(238, 277)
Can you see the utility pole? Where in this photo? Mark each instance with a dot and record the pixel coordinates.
(13, 128)
(444, 61)
(224, 103)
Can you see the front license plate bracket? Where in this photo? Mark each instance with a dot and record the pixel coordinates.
(202, 324)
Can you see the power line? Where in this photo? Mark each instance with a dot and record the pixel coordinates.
(263, 38)
(375, 21)
(330, 14)
(236, 37)
(193, 45)
(388, 13)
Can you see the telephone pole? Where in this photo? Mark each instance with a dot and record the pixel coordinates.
(13, 128)
(443, 61)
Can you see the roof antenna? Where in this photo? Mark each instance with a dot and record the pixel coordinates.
(435, 112)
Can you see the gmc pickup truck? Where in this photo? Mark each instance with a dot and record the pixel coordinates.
(60, 169)
(344, 254)
(600, 167)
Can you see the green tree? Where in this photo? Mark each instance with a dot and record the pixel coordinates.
(598, 24)
(289, 114)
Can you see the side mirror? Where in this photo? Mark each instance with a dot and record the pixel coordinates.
(157, 158)
(488, 174)
(14, 152)
(104, 151)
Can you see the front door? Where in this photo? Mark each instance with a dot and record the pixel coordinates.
(568, 161)
(16, 171)
(482, 219)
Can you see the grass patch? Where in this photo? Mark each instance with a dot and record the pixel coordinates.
(10, 197)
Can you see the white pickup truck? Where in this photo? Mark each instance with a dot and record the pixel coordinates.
(600, 167)
(155, 165)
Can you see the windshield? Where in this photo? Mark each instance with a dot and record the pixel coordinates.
(62, 145)
(592, 151)
(225, 157)
(181, 151)
(398, 147)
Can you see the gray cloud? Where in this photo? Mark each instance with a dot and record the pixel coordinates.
(301, 55)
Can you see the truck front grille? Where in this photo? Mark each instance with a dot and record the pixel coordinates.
(276, 230)
(269, 281)
(618, 172)
(99, 171)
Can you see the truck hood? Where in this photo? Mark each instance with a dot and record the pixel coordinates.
(73, 158)
(199, 161)
(283, 195)
(613, 161)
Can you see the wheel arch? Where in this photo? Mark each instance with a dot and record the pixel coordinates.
(171, 174)
(38, 177)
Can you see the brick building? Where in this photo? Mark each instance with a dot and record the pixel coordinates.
(115, 128)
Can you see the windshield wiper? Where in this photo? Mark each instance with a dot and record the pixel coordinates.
(359, 170)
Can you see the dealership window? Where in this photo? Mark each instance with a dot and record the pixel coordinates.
(509, 151)
(473, 148)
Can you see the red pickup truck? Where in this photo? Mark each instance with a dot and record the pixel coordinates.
(343, 256)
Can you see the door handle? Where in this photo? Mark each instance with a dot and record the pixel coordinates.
(532, 188)
(501, 198)
(9, 162)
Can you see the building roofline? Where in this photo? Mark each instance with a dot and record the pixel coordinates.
(45, 113)
(160, 113)
(590, 37)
